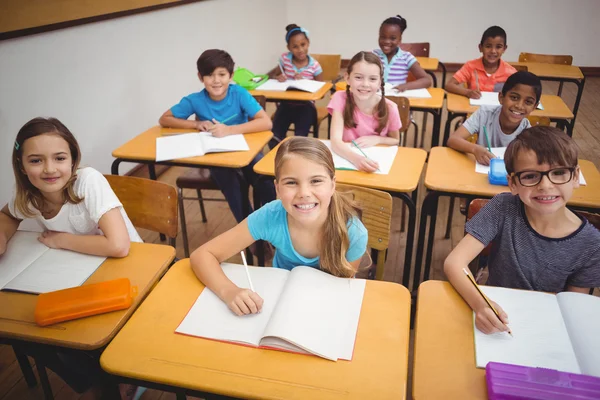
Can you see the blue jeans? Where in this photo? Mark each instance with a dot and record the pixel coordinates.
(228, 180)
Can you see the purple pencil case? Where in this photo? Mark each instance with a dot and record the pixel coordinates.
(512, 382)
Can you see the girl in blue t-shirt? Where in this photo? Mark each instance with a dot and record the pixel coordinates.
(310, 224)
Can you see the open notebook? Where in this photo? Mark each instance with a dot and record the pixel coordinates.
(304, 85)
(305, 311)
(491, 99)
(197, 144)
(499, 153)
(29, 266)
(411, 93)
(384, 155)
(549, 331)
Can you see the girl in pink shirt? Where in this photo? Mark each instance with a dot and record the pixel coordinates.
(361, 113)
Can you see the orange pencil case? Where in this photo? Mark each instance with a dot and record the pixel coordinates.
(84, 301)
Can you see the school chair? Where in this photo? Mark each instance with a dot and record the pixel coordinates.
(376, 216)
(199, 179)
(547, 59)
(149, 204)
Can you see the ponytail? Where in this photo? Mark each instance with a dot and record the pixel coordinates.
(382, 109)
(349, 110)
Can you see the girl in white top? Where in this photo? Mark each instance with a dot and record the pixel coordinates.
(76, 208)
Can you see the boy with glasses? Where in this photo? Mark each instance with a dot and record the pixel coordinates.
(538, 243)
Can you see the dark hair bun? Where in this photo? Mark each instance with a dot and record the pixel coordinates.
(290, 27)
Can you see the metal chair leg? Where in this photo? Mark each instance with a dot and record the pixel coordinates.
(201, 200)
(416, 141)
(560, 86)
(186, 248)
(423, 132)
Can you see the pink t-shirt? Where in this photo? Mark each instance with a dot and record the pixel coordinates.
(366, 125)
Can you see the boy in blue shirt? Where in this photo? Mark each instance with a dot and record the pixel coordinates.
(221, 102)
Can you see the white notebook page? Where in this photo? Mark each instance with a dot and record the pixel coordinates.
(540, 337)
(22, 250)
(384, 155)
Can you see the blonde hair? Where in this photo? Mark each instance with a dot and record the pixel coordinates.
(335, 241)
(27, 194)
(382, 109)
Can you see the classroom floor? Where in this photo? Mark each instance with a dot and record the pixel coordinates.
(220, 219)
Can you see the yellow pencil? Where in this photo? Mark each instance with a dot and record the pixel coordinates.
(476, 79)
(489, 303)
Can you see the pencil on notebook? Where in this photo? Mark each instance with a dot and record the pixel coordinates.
(228, 119)
(489, 303)
(282, 71)
(247, 270)
(476, 79)
(487, 139)
(363, 153)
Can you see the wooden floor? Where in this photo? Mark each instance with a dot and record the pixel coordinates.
(586, 135)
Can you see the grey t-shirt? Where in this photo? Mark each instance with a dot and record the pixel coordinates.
(489, 116)
(521, 258)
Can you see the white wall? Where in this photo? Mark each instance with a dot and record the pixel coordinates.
(454, 28)
(111, 80)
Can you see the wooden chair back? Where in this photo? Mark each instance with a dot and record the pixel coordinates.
(593, 219)
(474, 208)
(149, 204)
(535, 120)
(262, 100)
(331, 64)
(376, 216)
(416, 49)
(403, 104)
(521, 68)
(546, 58)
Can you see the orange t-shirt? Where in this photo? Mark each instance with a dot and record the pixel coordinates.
(487, 83)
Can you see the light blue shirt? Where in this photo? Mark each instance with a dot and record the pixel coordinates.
(270, 223)
(238, 103)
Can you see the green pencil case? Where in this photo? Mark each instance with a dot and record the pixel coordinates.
(247, 79)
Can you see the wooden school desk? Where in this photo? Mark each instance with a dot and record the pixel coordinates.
(432, 105)
(144, 266)
(444, 352)
(430, 65)
(293, 95)
(185, 364)
(559, 73)
(451, 173)
(403, 179)
(554, 108)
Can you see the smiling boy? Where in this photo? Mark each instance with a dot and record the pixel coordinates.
(485, 74)
(538, 243)
(219, 102)
(519, 97)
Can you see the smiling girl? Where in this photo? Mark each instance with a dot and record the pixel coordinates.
(76, 207)
(311, 224)
(296, 64)
(363, 114)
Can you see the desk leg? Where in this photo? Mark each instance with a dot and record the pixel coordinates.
(114, 168)
(451, 117)
(428, 209)
(435, 132)
(25, 367)
(152, 174)
(433, 77)
(580, 85)
(410, 235)
(443, 74)
(41, 368)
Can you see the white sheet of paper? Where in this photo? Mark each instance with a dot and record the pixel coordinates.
(307, 85)
(411, 93)
(384, 155)
(485, 169)
(178, 146)
(580, 313)
(540, 337)
(22, 250)
(227, 143)
(210, 317)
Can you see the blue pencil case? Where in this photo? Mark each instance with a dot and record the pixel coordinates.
(515, 382)
(497, 174)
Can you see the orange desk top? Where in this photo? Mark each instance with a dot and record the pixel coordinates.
(451, 171)
(544, 70)
(143, 148)
(554, 106)
(428, 63)
(403, 177)
(144, 266)
(444, 352)
(147, 348)
(296, 95)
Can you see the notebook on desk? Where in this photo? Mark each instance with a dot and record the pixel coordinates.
(305, 311)
(197, 144)
(491, 99)
(304, 85)
(30, 266)
(384, 155)
(411, 93)
(549, 331)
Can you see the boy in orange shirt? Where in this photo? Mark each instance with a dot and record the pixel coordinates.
(485, 74)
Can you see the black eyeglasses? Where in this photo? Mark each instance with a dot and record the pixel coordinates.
(558, 176)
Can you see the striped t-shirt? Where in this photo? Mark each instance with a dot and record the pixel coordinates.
(312, 69)
(396, 71)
